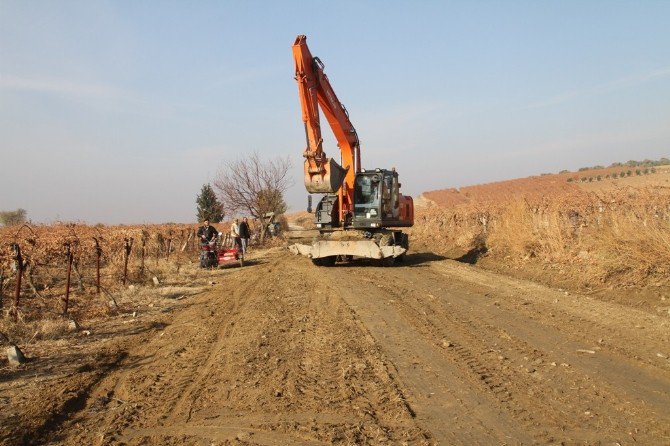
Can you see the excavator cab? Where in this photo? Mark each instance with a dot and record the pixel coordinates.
(378, 202)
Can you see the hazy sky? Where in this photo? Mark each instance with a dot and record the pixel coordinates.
(119, 111)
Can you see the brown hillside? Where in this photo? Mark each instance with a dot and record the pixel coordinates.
(537, 188)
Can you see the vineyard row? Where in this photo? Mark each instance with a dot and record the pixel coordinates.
(48, 260)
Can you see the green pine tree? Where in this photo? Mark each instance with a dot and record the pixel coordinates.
(209, 207)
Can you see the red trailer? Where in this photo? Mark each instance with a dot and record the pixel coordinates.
(230, 255)
(213, 255)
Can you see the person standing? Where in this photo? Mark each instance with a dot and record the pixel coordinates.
(235, 233)
(245, 234)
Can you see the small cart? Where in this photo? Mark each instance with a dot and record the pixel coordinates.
(228, 251)
(230, 255)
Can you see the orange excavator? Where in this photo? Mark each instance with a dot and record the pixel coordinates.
(359, 208)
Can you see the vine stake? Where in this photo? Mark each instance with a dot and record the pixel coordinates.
(128, 245)
(98, 254)
(70, 258)
(143, 253)
(19, 274)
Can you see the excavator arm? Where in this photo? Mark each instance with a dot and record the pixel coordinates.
(323, 174)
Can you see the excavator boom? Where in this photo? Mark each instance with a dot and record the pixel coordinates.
(323, 174)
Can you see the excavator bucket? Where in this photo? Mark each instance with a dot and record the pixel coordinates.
(326, 183)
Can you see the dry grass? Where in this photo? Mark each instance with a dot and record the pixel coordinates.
(634, 247)
(618, 238)
(22, 332)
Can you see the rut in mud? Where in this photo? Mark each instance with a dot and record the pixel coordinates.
(431, 352)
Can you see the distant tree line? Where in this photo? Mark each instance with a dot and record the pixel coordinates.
(613, 175)
(630, 163)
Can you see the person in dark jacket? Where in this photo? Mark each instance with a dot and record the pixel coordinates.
(206, 232)
(245, 234)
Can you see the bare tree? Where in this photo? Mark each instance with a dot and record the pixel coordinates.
(255, 185)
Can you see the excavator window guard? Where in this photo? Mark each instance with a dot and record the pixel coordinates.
(367, 196)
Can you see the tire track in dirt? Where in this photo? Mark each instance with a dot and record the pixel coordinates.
(487, 343)
(149, 384)
(572, 313)
(622, 351)
(190, 388)
(441, 395)
(531, 359)
(265, 359)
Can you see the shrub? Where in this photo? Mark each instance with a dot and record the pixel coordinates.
(11, 218)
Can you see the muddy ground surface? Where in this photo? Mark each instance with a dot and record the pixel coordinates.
(282, 352)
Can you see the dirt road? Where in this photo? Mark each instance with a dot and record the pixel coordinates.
(431, 352)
